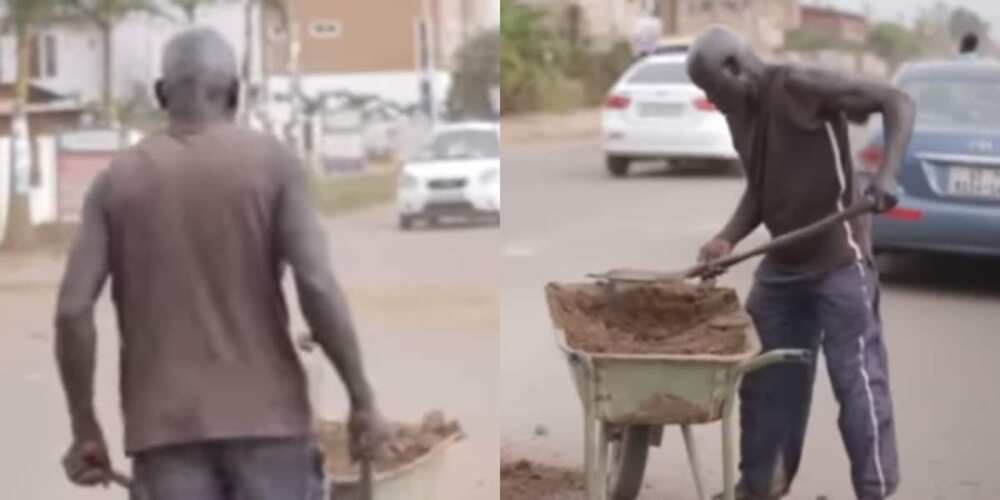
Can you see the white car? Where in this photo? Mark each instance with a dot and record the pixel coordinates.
(456, 174)
(655, 112)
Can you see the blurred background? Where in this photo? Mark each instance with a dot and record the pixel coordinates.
(391, 104)
(613, 158)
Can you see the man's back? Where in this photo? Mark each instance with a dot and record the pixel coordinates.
(196, 270)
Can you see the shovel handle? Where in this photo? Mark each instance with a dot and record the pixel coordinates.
(866, 205)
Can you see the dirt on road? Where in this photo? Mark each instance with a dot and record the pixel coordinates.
(675, 318)
(526, 480)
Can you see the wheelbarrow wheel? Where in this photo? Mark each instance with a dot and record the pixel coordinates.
(629, 455)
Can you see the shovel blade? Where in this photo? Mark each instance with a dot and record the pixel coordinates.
(641, 276)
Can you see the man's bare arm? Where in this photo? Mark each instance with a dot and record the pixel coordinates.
(76, 334)
(744, 220)
(321, 298)
(857, 97)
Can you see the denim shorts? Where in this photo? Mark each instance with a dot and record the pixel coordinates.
(238, 469)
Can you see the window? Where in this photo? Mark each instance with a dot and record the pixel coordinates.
(461, 144)
(956, 102)
(655, 73)
(51, 56)
(44, 59)
(326, 28)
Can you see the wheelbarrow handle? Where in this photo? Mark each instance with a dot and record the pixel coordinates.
(772, 357)
(119, 478)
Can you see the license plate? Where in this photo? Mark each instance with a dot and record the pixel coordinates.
(658, 109)
(969, 182)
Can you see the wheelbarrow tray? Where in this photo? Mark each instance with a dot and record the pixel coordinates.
(655, 389)
(413, 481)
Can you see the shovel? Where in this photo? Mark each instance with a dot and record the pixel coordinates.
(864, 206)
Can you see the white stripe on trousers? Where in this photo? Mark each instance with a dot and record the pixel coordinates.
(839, 164)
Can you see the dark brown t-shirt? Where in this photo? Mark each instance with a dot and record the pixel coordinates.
(797, 161)
(196, 272)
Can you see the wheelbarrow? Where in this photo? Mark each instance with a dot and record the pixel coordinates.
(413, 481)
(627, 400)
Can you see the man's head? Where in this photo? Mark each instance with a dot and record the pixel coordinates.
(969, 44)
(722, 64)
(200, 77)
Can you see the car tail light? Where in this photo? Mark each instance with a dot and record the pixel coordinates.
(905, 214)
(617, 102)
(872, 157)
(704, 104)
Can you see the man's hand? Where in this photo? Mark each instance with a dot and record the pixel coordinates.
(882, 200)
(367, 431)
(87, 463)
(715, 249)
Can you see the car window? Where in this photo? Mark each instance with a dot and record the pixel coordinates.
(956, 103)
(653, 73)
(461, 145)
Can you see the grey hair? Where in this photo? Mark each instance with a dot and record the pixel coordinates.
(199, 55)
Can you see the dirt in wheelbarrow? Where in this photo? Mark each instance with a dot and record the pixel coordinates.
(673, 318)
(526, 480)
(405, 444)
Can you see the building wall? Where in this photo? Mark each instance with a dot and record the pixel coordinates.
(78, 62)
(138, 43)
(762, 22)
(834, 23)
(140, 39)
(376, 35)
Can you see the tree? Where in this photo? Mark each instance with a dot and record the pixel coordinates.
(22, 18)
(477, 72)
(280, 9)
(963, 21)
(530, 55)
(190, 7)
(105, 15)
(894, 43)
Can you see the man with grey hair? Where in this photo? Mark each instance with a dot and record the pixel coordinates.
(789, 126)
(195, 226)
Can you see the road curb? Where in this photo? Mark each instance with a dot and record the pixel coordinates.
(542, 128)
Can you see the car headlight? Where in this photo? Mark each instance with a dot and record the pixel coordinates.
(490, 176)
(408, 181)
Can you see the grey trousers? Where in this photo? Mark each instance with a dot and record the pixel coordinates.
(838, 312)
(243, 469)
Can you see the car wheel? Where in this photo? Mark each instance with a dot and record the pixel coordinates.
(405, 222)
(618, 166)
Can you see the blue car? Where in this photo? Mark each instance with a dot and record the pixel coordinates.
(949, 183)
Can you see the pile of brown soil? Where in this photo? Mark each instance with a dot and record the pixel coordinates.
(524, 480)
(406, 444)
(670, 318)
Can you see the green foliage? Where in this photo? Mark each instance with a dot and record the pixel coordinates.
(548, 64)
(894, 43)
(477, 72)
(808, 41)
(530, 57)
(190, 7)
(599, 70)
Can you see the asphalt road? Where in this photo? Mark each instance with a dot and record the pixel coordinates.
(565, 217)
(426, 307)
